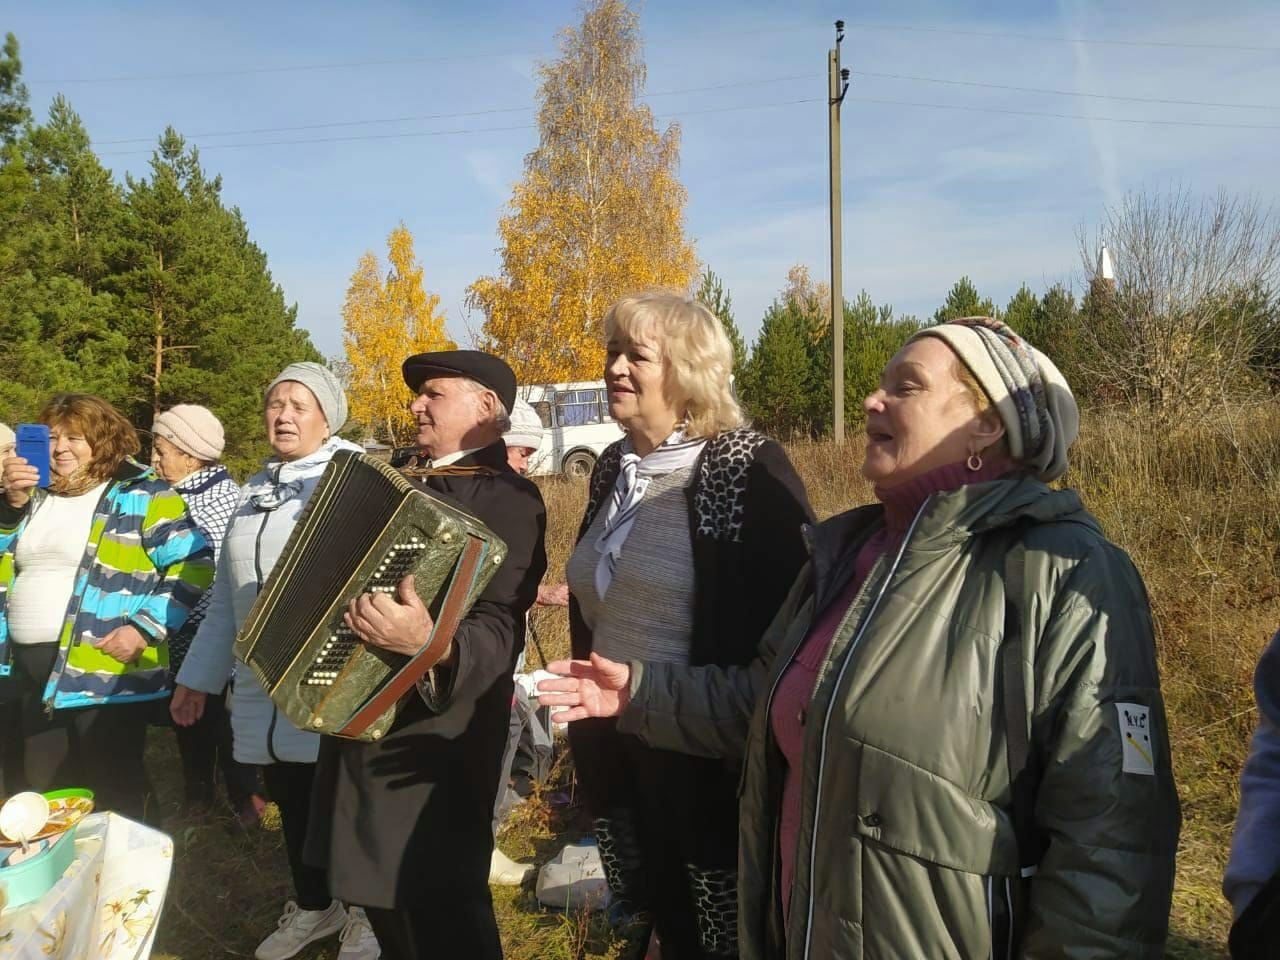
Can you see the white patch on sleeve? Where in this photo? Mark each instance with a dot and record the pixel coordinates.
(1135, 736)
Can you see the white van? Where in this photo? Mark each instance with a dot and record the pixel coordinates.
(578, 427)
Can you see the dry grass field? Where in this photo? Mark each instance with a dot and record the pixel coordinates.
(1198, 507)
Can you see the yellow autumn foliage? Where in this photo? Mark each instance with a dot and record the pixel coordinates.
(599, 213)
(385, 321)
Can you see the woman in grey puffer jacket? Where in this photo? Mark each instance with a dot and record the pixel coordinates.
(304, 406)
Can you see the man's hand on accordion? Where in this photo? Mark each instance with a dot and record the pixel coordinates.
(400, 624)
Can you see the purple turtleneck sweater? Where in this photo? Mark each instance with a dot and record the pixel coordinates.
(796, 687)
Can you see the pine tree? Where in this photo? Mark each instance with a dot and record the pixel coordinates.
(963, 301)
(599, 213)
(59, 209)
(1022, 312)
(205, 322)
(14, 110)
(383, 323)
(872, 335)
(778, 384)
(713, 295)
(148, 296)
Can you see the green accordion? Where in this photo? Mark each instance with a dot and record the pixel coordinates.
(364, 530)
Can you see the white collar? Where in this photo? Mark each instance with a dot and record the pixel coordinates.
(454, 457)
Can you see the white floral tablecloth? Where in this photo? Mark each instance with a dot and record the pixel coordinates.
(107, 904)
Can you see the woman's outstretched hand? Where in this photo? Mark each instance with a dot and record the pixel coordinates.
(589, 688)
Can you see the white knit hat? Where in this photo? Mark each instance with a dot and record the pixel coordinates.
(7, 437)
(1039, 412)
(526, 426)
(324, 386)
(192, 429)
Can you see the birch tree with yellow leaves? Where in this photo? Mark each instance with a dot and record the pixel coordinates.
(384, 321)
(599, 213)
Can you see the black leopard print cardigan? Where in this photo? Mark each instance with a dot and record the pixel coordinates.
(747, 506)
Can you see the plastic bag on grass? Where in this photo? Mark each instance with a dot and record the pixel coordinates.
(574, 879)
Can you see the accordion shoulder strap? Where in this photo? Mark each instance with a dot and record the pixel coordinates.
(445, 626)
(419, 469)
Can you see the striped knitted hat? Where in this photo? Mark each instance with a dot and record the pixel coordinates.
(1039, 412)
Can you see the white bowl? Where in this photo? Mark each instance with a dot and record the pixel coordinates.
(23, 816)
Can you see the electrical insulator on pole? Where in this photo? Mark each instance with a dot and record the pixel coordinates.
(837, 87)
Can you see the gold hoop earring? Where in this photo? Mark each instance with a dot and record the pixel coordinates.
(974, 462)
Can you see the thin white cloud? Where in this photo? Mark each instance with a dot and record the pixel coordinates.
(491, 170)
(1088, 79)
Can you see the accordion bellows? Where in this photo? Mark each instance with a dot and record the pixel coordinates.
(364, 529)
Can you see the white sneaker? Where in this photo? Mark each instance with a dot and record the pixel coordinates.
(296, 928)
(505, 872)
(357, 939)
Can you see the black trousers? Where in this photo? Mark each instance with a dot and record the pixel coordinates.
(289, 785)
(100, 748)
(439, 928)
(205, 749)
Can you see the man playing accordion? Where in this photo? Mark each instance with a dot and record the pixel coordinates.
(404, 823)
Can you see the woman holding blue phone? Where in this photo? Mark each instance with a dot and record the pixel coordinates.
(97, 570)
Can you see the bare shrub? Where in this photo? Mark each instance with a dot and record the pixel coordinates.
(1191, 316)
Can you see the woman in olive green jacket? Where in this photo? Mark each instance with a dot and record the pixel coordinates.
(953, 737)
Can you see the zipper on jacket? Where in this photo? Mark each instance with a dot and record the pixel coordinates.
(257, 571)
(826, 722)
(262, 528)
(76, 602)
(806, 532)
(999, 895)
(271, 734)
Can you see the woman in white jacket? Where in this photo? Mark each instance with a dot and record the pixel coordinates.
(305, 406)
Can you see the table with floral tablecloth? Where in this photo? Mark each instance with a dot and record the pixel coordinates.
(106, 905)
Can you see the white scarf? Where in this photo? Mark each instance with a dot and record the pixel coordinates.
(634, 475)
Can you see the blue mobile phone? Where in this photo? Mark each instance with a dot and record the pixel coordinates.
(33, 447)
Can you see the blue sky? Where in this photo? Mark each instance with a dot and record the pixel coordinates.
(929, 193)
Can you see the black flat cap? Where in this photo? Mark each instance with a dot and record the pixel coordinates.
(483, 368)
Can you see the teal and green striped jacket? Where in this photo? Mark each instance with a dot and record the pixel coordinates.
(145, 564)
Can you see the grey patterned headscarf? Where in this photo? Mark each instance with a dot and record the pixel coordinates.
(1033, 399)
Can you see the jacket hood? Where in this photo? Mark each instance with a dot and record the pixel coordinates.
(950, 517)
(984, 507)
(130, 470)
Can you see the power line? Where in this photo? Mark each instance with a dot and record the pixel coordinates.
(735, 109)
(1064, 93)
(1041, 38)
(296, 68)
(339, 124)
(323, 126)
(350, 139)
(1070, 116)
(336, 124)
(778, 28)
(385, 62)
(449, 133)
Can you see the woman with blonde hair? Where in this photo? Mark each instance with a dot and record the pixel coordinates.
(691, 537)
(98, 573)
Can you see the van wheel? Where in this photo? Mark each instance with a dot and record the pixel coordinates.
(579, 464)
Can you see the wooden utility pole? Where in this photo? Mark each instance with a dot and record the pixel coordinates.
(837, 87)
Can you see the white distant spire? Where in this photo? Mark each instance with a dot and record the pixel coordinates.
(1105, 269)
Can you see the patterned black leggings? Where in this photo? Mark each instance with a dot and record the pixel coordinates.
(667, 825)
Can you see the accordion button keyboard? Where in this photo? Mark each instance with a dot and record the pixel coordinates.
(399, 562)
